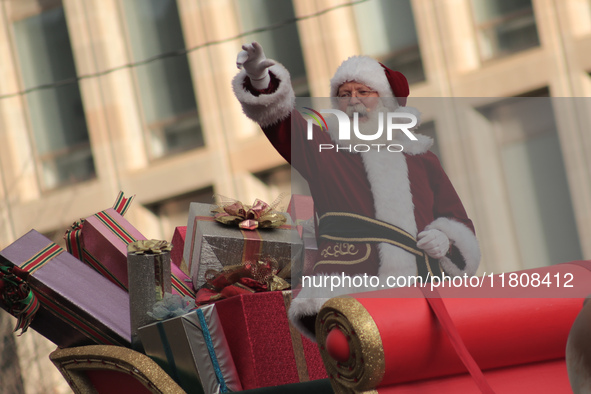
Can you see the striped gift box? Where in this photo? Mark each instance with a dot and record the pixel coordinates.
(74, 304)
(101, 242)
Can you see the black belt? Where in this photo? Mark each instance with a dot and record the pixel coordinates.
(351, 227)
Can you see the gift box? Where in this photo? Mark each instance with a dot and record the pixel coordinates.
(301, 209)
(148, 267)
(178, 244)
(212, 246)
(193, 350)
(267, 350)
(181, 282)
(311, 255)
(315, 386)
(105, 236)
(77, 306)
(101, 241)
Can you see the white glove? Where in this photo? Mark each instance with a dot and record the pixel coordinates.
(434, 242)
(253, 59)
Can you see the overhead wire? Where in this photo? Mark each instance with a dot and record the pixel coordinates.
(178, 52)
(164, 55)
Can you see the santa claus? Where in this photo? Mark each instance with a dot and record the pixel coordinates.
(383, 213)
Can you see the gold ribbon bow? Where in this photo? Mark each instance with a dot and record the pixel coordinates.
(249, 217)
(149, 246)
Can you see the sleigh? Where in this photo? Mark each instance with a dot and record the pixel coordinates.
(519, 345)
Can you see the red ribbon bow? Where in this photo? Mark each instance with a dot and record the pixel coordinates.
(250, 277)
(16, 294)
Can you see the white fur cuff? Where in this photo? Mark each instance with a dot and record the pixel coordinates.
(266, 109)
(466, 242)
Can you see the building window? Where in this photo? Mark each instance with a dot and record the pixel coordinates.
(165, 85)
(387, 32)
(504, 27)
(535, 177)
(281, 44)
(57, 115)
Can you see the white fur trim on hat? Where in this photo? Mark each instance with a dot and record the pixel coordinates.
(362, 69)
(369, 72)
(266, 109)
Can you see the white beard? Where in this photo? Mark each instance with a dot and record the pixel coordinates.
(388, 177)
(368, 125)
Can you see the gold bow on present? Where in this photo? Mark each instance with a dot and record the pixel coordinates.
(249, 217)
(149, 246)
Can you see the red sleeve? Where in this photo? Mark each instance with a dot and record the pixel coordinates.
(273, 84)
(450, 217)
(447, 203)
(288, 136)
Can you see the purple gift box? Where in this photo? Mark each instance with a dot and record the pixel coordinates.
(78, 306)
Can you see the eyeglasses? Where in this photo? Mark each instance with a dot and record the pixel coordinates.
(358, 93)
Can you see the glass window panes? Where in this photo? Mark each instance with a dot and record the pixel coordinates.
(504, 26)
(282, 43)
(57, 113)
(535, 178)
(387, 32)
(165, 84)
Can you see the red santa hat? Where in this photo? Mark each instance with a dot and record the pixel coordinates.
(373, 74)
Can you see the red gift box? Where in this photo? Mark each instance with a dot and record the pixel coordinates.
(101, 242)
(105, 236)
(301, 209)
(178, 245)
(181, 281)
(267, 350)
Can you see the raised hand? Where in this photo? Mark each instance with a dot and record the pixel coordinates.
(252, 58)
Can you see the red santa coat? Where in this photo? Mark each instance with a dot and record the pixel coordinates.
(409, 190)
